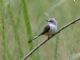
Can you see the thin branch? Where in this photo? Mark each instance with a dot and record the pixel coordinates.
(43, 42)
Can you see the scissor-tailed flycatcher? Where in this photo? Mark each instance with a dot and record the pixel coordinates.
(49, 29)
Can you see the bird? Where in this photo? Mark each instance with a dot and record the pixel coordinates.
(48, 30)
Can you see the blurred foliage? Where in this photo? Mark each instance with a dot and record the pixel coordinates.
(20, 20)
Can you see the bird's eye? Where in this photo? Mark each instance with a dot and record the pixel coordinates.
(50, 21)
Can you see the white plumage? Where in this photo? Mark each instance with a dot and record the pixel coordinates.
(53, 26)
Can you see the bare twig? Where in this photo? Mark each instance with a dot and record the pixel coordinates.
(43, 42)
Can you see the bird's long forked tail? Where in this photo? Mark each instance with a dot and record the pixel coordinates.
(33, 39)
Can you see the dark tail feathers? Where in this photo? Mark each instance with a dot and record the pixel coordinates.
(33, 39)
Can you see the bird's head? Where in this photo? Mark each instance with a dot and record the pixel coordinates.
(52, 20)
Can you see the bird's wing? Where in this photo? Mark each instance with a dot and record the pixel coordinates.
(46, 29)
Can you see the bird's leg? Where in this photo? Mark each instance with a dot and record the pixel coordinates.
(49, 36)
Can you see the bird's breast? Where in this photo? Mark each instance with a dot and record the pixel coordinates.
(53, 28)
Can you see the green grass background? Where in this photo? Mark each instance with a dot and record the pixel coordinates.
(21, 20)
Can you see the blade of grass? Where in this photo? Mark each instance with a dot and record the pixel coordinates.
(16, 36)
(3, 38)
(6, 53)
(56, 48)
(28, 27)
